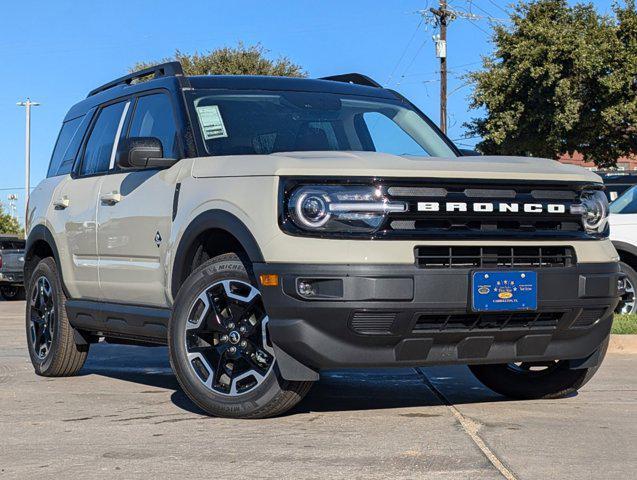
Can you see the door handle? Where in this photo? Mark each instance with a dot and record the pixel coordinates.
(61, 203)
(111, 198)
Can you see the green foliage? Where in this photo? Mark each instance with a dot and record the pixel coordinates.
(239, 60)
(625, 324)
(8, 224)
(560, 80)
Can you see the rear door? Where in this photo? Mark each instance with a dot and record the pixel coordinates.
(77, 198)
(135, 213)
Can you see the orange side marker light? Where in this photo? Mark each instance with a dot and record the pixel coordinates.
(269, 279)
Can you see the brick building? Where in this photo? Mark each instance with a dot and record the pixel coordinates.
(624, 164)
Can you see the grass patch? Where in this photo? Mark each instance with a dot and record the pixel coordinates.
(625, 324)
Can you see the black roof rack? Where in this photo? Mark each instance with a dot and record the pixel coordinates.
(169, 69)
(357, 78)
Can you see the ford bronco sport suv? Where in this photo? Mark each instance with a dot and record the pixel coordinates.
(266, 229)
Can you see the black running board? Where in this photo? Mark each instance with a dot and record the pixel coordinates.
(131, 322)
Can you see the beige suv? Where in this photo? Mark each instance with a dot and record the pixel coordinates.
(266, 229)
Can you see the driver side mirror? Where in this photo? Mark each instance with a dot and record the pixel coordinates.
(142, 152)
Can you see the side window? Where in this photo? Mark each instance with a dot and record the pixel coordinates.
(67, 133)
(99, 147)
(154, 118)
(388, 137)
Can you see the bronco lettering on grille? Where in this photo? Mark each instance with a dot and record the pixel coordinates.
(486, 207)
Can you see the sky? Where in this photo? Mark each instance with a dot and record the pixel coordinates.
(56, 51)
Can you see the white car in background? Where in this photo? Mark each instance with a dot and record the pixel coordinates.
(623, 233)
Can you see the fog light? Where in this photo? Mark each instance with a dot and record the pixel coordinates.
(306, 289)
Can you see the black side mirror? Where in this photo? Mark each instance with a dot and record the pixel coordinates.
(142, 152)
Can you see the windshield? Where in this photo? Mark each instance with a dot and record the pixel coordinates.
(626, 203)
(260, 123)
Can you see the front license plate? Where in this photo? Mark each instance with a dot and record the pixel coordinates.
(496, 291)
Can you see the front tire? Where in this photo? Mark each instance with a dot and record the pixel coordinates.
(536, 380)
(219, 345)
(50, 338)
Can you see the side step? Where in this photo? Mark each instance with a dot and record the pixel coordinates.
(131, 322)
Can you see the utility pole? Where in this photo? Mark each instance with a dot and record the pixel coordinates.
(443, 17)
(27, 155)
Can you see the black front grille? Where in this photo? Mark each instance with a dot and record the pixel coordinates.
(494, 257)
(484, 209)
(487, 321)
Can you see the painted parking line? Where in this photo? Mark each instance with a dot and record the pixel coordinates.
(469, 426)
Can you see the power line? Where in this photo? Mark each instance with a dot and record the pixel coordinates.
(391, 75)
(497, 6)
(452, 69)
(468, 14)
(479, 28)
(412, 61)
(466, 138)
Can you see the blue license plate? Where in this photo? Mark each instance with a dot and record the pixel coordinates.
(496, 291)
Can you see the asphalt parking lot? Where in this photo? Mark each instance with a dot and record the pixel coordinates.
(124, 417)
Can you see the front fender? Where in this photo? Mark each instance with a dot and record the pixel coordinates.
(212, 219)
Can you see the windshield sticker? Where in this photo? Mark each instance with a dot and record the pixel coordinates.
(211, 122)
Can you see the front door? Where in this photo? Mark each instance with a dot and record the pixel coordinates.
(134, 214)
(134, 220)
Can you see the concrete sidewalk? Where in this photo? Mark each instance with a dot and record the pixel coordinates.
(124, 417)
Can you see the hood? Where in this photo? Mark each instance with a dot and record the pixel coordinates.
(374, 164)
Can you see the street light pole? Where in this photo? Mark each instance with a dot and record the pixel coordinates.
(13, 198)
(27, 156)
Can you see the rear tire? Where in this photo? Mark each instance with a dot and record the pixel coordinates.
(50, 338)
(219, 345)
(628, 303)
(520, 382)
(12, 293)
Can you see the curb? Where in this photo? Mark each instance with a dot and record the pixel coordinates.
(624, 344)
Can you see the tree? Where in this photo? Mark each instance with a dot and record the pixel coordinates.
(8, 224)
(239, 60)
(560, 80)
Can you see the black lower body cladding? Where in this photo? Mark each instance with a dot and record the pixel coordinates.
(403, 315)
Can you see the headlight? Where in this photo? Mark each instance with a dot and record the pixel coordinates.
(594, 210)
(333, 208)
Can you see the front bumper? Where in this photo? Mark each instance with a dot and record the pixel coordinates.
(11, 278)
(403, 315)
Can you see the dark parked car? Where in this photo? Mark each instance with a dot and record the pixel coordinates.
(11, 268)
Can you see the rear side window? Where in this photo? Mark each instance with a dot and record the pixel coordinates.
(64, 151)
(154, 118)
(99, 147)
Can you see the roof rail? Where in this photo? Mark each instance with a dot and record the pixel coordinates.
(357, 78)
(169, 69)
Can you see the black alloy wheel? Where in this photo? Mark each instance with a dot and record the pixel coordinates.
(43, 317)
(226, 338)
